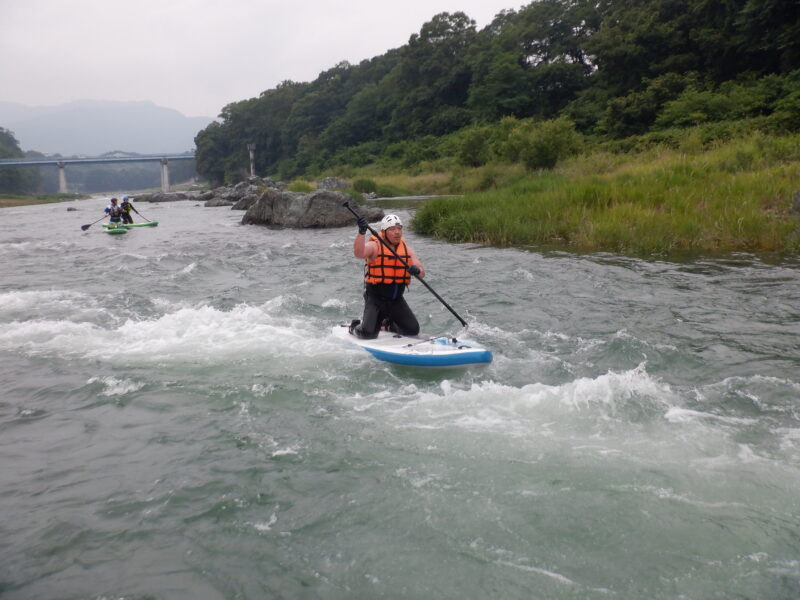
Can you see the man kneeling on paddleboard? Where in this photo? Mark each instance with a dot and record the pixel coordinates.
(385, 279)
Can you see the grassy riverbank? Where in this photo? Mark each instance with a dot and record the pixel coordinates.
(735, 196)
(7, 200)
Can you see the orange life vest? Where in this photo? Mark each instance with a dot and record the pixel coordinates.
(385, 268)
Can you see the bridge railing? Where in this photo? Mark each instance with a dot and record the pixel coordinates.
(61, 163)
(38, 162)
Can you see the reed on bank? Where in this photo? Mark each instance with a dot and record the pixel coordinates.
(735, 196)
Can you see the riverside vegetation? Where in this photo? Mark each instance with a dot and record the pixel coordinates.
(634, 126)
(695, 191)
(645, 126)
(733, 196)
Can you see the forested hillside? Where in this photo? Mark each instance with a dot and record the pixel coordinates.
(606, 71)
(15, 181)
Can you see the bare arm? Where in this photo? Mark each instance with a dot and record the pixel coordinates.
(364, 249)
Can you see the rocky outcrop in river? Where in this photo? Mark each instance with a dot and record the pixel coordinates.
(267, 203)
(242, 195)
(322, 208)
(166, 197)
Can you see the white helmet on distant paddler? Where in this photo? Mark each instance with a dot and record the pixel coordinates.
(390, 221)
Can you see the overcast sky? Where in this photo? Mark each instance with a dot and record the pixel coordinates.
(196, 56)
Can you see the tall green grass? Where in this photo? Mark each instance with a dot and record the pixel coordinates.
(735, 196)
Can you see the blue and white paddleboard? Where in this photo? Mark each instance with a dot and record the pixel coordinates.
(420, 350)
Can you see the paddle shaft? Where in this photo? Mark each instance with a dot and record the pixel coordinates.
(140, 214)
(405, 264)
(85, 227)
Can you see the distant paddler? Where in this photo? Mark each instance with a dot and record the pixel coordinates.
(114, 213)
(126, 207)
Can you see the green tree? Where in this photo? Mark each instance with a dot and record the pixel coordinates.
(636, 112)
(550, 142)
(211, 151)
(432, 77)
(768, 35)
(474, 149)
(536, 144)
(20, 180)
(642, 39)
(533, 62)
(361, 121)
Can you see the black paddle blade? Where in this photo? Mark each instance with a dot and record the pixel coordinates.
(85, 227)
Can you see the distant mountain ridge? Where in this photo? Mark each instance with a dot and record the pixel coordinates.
(93, 127)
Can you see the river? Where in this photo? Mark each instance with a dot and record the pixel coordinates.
(177, 421)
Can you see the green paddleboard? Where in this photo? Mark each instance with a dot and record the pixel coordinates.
(129, 225)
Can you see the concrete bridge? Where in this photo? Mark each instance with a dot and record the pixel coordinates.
(62, 163)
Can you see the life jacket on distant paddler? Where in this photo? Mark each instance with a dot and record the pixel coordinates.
(113, 210)
(385, 267)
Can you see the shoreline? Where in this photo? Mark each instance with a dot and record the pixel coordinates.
(12, 200)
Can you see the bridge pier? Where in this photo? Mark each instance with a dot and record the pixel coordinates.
(165, 175)
(62, 178)
(251, 148)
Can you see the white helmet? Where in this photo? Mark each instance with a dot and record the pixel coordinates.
(390, 221)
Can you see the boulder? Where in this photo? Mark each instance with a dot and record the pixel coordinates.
(245, 201)
(239, 188)
(294, 210)
(242, 195)
(219, 201)
(165, 197)
(269, 182)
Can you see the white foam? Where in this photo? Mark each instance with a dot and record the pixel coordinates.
(531, 569)
(200, 334)
(671, 495)
(524, 274)
(518, 411)
(44, 337)
(263, 527)
(261, 390)
(42, 301)
(786, 568)
(789, 440)
(117, 387)
(677, 414)
(188, 268)
(288, 451)
(334, 303)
